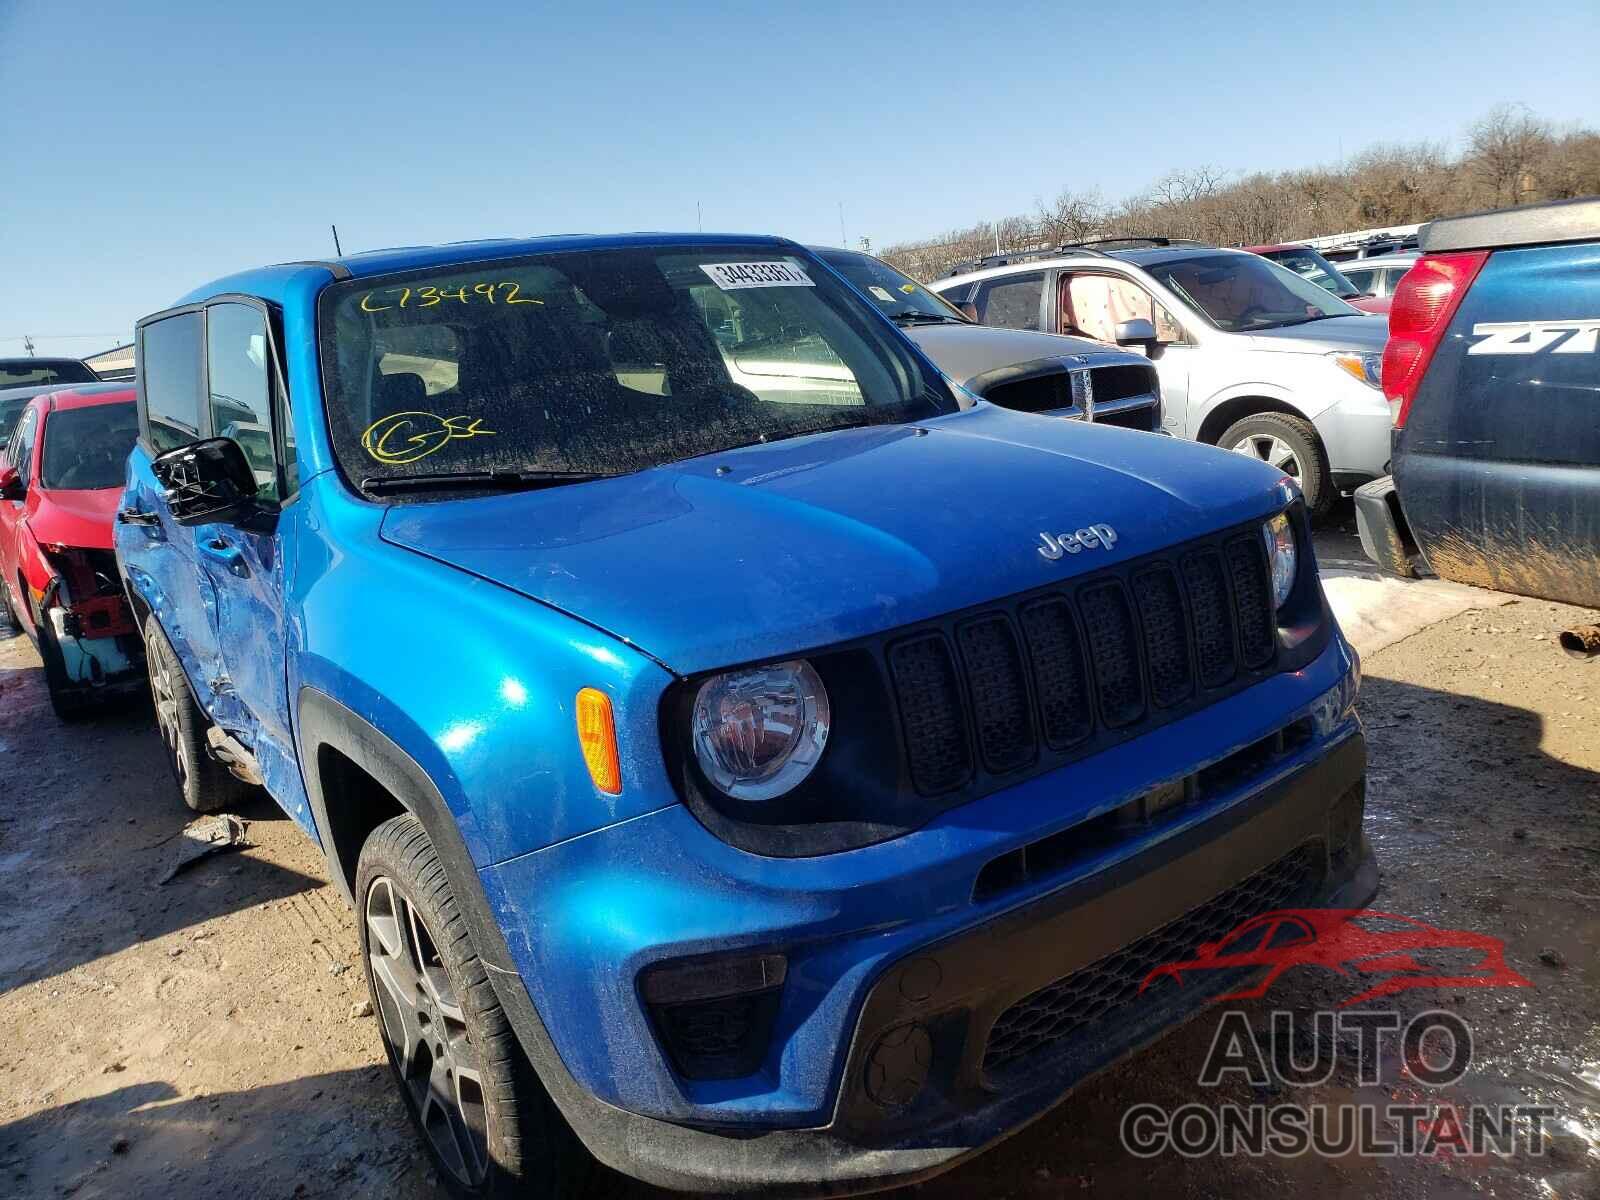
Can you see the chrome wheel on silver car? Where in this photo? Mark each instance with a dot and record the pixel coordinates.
(426, 1031)
(1290, 444)
(1269, 449)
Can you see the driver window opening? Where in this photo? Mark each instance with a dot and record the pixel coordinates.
(1094, 305)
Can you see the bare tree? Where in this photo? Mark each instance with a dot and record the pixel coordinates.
(1503, 146)
(1511, 156)
(1071, 217)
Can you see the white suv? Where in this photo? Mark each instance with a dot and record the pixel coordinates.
(1251, 357)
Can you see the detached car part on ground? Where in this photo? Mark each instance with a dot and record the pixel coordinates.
(61, 477)
(764, 782)
(1251, 357)
(1023, 370)
(1493, 371)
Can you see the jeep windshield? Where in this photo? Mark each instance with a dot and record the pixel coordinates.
(901, 298)
(1241, 292)
(590, 363)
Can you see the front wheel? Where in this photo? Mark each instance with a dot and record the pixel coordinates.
(1291, 444)
(486, 1121)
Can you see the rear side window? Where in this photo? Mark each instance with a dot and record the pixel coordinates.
(239, 394)
(170, 368)
(1012, 302)
(27, 373)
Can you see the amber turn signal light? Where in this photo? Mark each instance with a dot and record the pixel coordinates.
(597, 735)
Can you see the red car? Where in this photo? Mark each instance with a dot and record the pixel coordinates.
(61, 477)
(1307, 263)
(1353, 942)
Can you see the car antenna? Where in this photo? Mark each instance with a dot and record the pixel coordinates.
(337, 252)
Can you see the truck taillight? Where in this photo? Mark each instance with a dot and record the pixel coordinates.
(1424, 304)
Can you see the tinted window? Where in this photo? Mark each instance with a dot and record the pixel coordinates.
(87, 447)
(170, 352)
(25, 372)
(240, 397)
(22, 446)
(10, 414)
(1363, 280)
(1013, 302)
(603, 361)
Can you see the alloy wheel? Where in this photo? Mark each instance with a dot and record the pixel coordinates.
(164, 691)
(1269, 449)
(426, 1031)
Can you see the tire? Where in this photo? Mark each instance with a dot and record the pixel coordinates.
(1292, 445)
(8, 619)
(204, 783)
(446, 1034)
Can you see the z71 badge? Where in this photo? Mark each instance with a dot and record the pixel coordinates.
(1094, 536)
(1530, 337)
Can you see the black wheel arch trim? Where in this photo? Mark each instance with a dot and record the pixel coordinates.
(771, 1163)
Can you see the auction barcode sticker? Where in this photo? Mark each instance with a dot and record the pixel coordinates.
(732, 276)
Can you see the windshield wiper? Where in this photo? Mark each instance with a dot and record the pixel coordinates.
(1305, 320)
(492, 481)
(922, 316)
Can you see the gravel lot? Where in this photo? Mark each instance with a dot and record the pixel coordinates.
(206, 1037)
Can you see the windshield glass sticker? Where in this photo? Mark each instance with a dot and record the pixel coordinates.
(733, 276)
(908, 288)
(504, 292)
(405, 437)
(881, 293)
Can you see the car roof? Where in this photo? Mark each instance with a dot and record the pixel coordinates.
(1380, 260)
(272, 283)
(1138, 258)
(86, 395)
(35, 361)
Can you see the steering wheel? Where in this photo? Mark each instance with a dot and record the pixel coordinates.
(1251, 311)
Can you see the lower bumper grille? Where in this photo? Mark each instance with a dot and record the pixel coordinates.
(1044, 1021)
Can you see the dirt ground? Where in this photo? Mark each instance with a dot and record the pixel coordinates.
(204, 1037)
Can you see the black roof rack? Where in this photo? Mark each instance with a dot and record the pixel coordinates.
(1133, 243)
(1094, 246)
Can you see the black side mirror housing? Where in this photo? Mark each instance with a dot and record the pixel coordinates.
(11, 484)
(207, 482)
(1137, 332)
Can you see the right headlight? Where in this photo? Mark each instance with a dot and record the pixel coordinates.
(1368, 367)
(1283, 555)
(759, 732)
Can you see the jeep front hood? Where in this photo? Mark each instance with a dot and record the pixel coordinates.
(818, 540)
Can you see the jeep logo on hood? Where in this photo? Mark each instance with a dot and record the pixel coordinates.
(1094, 536)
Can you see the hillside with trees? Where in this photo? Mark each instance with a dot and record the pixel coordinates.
(1510, 156)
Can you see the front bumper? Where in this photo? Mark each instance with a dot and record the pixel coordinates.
(583, 919)
(917, 1096)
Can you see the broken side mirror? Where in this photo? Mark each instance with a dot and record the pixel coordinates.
(1137, 332)
(11, 484)
(207, 482)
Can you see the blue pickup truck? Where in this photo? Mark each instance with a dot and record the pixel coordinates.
(1493, 376)
(754, 762)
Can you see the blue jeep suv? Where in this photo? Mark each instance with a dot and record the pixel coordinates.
(755, 763)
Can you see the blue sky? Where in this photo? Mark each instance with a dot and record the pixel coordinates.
(152, 147)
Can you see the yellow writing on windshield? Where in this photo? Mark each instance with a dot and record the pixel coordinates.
(506, 292)
(405, 437)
